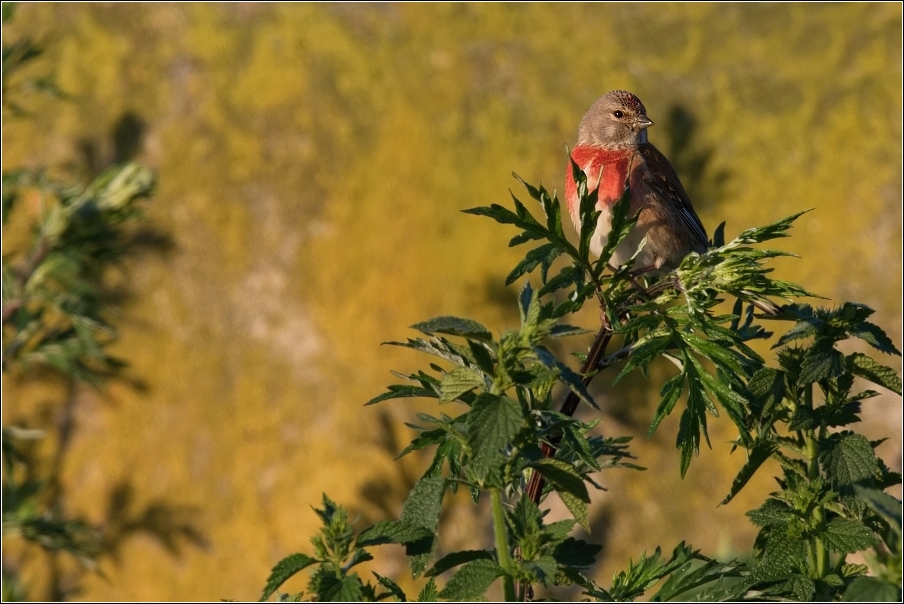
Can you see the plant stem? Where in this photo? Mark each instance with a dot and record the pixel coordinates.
(502, 546)
(819, 515)
(594, 356)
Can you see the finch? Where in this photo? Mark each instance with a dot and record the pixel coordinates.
(612, 140)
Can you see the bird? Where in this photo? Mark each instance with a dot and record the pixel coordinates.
(613, 151)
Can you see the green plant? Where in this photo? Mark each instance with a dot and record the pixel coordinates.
(831, 501)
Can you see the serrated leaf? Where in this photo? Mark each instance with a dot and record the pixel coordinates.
(869, 369)
(543, 255)
(577, 507)
(883, 504)
(768, 387)
(492, 424)
(851, 460)
(571, 379)
(425, 439)
(391, 531)
(683, 583)
(454, 326)
(563, 477)
(457, 559)
(756, 456)
(335, 589)
(772, 512)
(482, 356)
(569, 275)
(874, 336)
(471, 581)
(402, 391)
(458, 381)
(670, 392)
(429, 592)
(524, 238)
(716, 352)
(805, 328)
(643, 352)
(497, 212)
(802, 588)
(847, 536)
(392, 586)
(359, 556)
(529, 307)
(732, 402)
(283, 571)
(820, 363)
(422, 509)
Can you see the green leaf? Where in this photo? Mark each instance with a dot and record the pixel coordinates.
(563, 477)
(768, 388)
(529, 306)
(283, 571)
(454, 326)
(334, 589)
(402, 391)
(568, 276)
(422, 509)
(492, 424)
(869, 369)
(456, 559)
(874, 336)
(425, 439)
(648, 571)
(559, 331)
(458, 381)
(391, 531)
(871, 589)
(717, 352)
(732, 402)
(471, 581)
(392, 586)
(847, 536)
(851, 460)
(545, 255)
(686, 580)
(571, 379)
(820, 363)
(883, 504)
(577, 507)
(497, 212)
(670, 392)
(543, 568)
(429, 592)
(772, 512)
(482, 356)
(756, 456)
(808, 326)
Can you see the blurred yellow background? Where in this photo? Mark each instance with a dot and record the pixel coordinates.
(313, 161)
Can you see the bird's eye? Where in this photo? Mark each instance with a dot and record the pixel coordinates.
(618, 114)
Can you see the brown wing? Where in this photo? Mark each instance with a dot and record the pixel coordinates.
(660, 177)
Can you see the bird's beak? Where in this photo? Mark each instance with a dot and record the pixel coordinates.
(643, 122)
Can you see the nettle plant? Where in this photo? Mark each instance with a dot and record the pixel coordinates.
(503, 437)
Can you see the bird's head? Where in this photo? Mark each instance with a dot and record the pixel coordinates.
(618, 120)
